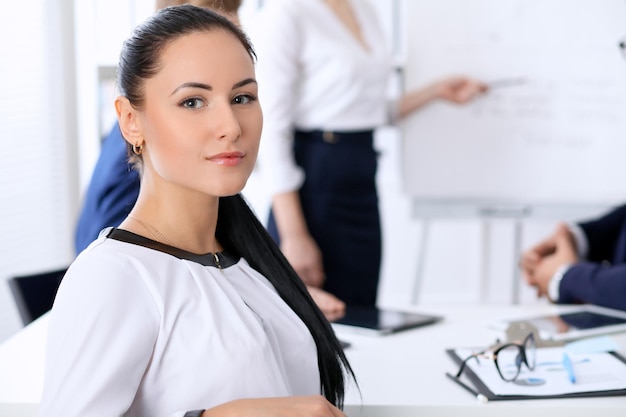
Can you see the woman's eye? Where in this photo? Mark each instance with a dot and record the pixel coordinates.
(192, 103)
(243, 99)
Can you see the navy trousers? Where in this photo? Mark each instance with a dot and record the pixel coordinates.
(340, 204)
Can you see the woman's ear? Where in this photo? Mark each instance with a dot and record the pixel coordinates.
(129, 121)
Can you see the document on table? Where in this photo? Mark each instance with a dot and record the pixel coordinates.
(594, 373)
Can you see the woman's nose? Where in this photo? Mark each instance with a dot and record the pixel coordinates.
(227, 125)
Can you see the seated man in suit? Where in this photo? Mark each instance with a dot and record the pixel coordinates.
(582, 263)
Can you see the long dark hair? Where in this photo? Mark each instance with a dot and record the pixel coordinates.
(238, 228)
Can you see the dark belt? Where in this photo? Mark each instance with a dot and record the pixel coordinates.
(333, 137)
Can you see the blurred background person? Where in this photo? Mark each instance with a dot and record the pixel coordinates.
(581, 263)
(323, 70)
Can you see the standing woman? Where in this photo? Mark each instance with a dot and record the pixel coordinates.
(324, 69)
(188, 308)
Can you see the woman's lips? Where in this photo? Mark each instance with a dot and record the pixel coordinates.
(227, 158)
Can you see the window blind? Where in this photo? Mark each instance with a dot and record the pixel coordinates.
(37, 171)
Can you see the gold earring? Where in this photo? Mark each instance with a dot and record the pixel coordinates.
(137, 149)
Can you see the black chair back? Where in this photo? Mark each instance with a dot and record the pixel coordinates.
(34, 294)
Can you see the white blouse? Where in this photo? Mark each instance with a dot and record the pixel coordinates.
(314, 74)
(137, 332)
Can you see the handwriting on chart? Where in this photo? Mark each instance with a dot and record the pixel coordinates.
(579, 102)
(577, 114)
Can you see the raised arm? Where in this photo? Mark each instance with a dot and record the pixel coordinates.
(457, 90)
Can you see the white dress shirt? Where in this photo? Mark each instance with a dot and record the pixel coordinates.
(137, 332)
(313, 73)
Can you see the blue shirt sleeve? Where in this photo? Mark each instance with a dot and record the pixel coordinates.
(112, 191)
(601, 278)
(594, 283)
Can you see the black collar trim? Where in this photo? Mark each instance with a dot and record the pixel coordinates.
(226, 258)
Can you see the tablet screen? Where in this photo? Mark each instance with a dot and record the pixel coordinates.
(590, 320)
(384, 321)
(581, 320)
(572, 322)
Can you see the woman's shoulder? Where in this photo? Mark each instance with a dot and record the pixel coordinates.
(103, 253)
(110, 266)
(104, 281)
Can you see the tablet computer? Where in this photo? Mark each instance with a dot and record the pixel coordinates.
(372, 320)
(575, 323)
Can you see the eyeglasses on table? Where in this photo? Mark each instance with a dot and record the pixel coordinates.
(508, 357)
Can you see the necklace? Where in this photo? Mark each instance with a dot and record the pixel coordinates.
(154, 232)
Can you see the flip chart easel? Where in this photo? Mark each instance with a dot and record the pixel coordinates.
(550, 137)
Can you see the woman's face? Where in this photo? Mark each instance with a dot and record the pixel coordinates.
(202, 121)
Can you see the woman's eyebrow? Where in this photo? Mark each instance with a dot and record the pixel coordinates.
(244, 82)
(192, 84)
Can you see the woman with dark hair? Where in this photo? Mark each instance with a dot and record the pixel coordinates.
(188, 308)
(113, 188)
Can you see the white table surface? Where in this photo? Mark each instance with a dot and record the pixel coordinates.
(398, 375)
(407, 370)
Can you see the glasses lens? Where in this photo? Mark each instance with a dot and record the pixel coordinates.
(530, 347)
(509, 361)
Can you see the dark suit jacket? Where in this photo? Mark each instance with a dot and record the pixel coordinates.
(112, 191)
(601, 278)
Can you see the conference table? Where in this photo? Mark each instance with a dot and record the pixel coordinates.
(398, 375)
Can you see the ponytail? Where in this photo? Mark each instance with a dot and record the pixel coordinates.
(239, 230)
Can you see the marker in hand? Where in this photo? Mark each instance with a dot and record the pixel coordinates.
(506, 82)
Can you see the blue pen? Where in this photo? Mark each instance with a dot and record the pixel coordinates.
(567, 364)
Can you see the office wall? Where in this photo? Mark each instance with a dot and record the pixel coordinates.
(38, 157)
